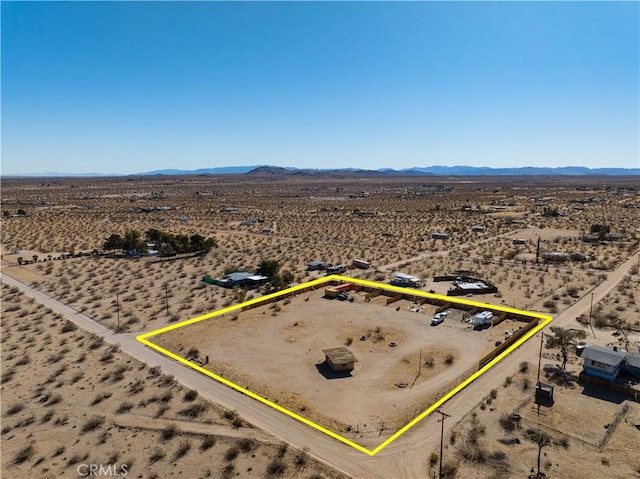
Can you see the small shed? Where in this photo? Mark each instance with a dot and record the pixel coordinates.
(440, 235)
(340, 359)
(544, 393)
(316, 265)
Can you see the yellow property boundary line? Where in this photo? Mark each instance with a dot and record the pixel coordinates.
(546, 319)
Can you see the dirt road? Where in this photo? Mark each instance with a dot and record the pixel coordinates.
(404, 458)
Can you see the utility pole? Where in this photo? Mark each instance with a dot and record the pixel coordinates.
(118, 312)
(538, 381)
(443, 417)
(166, 298)
(591, 316)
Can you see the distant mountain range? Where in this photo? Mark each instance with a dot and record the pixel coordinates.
(266, 170)
(415, 171)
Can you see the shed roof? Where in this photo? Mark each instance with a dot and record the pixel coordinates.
(340, 355)
(633, 360)
(603, 355)
(238, 276)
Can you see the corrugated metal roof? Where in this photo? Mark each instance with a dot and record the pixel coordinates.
(340, 355)
(633, 360)
(238, 276)
(603, 355)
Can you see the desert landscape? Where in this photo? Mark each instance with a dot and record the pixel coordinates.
(561, 246)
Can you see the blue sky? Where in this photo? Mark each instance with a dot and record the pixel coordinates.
(125, 87)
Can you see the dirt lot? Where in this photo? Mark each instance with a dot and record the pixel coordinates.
(287, 368)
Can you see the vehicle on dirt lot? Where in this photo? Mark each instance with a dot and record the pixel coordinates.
(438, 318)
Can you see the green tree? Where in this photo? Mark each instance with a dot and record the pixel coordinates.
(564, 340)
(132, 241)
(113, 243)
(196, 243)
(541, 440)
(154, 235)
(269, 268)
(287, 276)
(622, 330)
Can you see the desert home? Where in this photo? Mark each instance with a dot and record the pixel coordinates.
(608, 364)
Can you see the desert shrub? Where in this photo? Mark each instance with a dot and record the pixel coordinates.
(182, 450)
(524, 367)
(47, 417)
(156, 456)
(507, 422)
(76, 458)
(282, 450)
(449, 359)
(247, 445)
(92, 424)
(231, 453)
(193, 352)
(99, 398)
(233, 418)
(433, 459)
(15, 409)
(53, 400)
(165, 397)
(430, 362)
(161, 410)
(193, 411)
(24, 454)
(68, 327)
(276, 468)
(551, 306)
(301, 458)
(190, 395)
(58, 451)
(124, 407)
(136, 387)
(61, 421)
(228, 471)
(207, 443)
(169, 432)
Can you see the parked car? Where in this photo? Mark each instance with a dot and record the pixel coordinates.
(438, 318)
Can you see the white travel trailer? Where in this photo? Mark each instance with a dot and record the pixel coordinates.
(483, 318)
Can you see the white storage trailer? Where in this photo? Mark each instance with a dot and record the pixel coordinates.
(483, 318)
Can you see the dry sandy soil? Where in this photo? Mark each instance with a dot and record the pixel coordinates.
(288, 367)
(333, 220)
(69, 399)
(579, 446)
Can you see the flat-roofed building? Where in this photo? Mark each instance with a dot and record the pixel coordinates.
(340, 359)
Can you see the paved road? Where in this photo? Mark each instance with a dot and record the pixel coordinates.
(404, 458)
